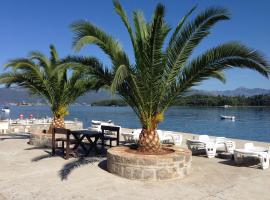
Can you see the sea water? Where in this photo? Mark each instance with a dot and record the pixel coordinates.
(251, 123)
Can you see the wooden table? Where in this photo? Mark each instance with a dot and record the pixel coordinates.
(80, 135)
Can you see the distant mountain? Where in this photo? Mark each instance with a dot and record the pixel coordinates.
(241, 91)
(14, 95)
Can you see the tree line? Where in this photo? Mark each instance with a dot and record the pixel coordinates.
(204, 100)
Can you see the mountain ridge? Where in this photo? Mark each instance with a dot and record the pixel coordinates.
(15, 95)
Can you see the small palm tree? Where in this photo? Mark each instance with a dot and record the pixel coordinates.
(50, 79)
(164, 69)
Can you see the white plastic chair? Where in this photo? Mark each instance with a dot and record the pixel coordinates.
(230, 146)
(210, 148)
(164, 137)
(177, 139)
(195, 146)
(251, 151)
(4, 126)
(136, 135)
(220, 143)
(96, 125)
(264, 160)
(128, 137)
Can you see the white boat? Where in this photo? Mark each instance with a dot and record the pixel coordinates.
(226, 106)
(5, 109)
(231, 117)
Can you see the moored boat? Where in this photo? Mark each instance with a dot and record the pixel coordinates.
(231, 117)
(226, 106)
(5, 109)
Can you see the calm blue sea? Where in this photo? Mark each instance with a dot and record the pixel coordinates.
(250, 123)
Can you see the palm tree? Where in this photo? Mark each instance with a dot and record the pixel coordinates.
(164, 68)
(50, 79)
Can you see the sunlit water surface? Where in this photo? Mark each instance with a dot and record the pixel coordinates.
(250, 123)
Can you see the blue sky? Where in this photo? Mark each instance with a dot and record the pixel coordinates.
(28, 25)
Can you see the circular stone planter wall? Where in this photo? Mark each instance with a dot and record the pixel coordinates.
(134, 166)
(40, 139)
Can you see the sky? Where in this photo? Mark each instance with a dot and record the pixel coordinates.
(28, 25)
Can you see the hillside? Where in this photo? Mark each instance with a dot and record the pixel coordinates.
(14, 95)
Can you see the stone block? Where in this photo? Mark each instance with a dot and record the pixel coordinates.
(178, 158)
(117, 159)
(163, 174)
(181, 164)
(130, 161)
(137, 174)
(187, 158)
(147, 162)
(127, 172)
(148, 174)
(118, 169)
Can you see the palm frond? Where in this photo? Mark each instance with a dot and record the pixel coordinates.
(189, 37)
(118, 8)
(86, 33)
(120, 75)
(54, 54)
(213, 62)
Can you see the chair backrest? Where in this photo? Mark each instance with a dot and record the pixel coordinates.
(204, 138)
(96, 125)
(136, 133)
(63, 131)
(249, 146)
(229, 146)
(210, 148)
(110, 128)
(195, 144)
(176, 138)
(105, 129)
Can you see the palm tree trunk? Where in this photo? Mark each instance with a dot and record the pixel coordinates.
(149, 141)
(58, 122)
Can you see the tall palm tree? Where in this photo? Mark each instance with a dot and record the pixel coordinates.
(50, 79)
(164, 69)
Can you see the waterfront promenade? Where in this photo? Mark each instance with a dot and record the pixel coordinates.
(30, 173)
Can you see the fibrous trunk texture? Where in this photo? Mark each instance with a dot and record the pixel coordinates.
(149, 141)
(58, 122)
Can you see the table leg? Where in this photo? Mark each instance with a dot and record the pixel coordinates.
(79, 142)
(93, 144)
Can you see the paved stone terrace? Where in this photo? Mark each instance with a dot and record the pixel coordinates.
(30, 173)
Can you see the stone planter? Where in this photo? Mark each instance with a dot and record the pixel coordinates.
(40, 139)
(174, 165)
